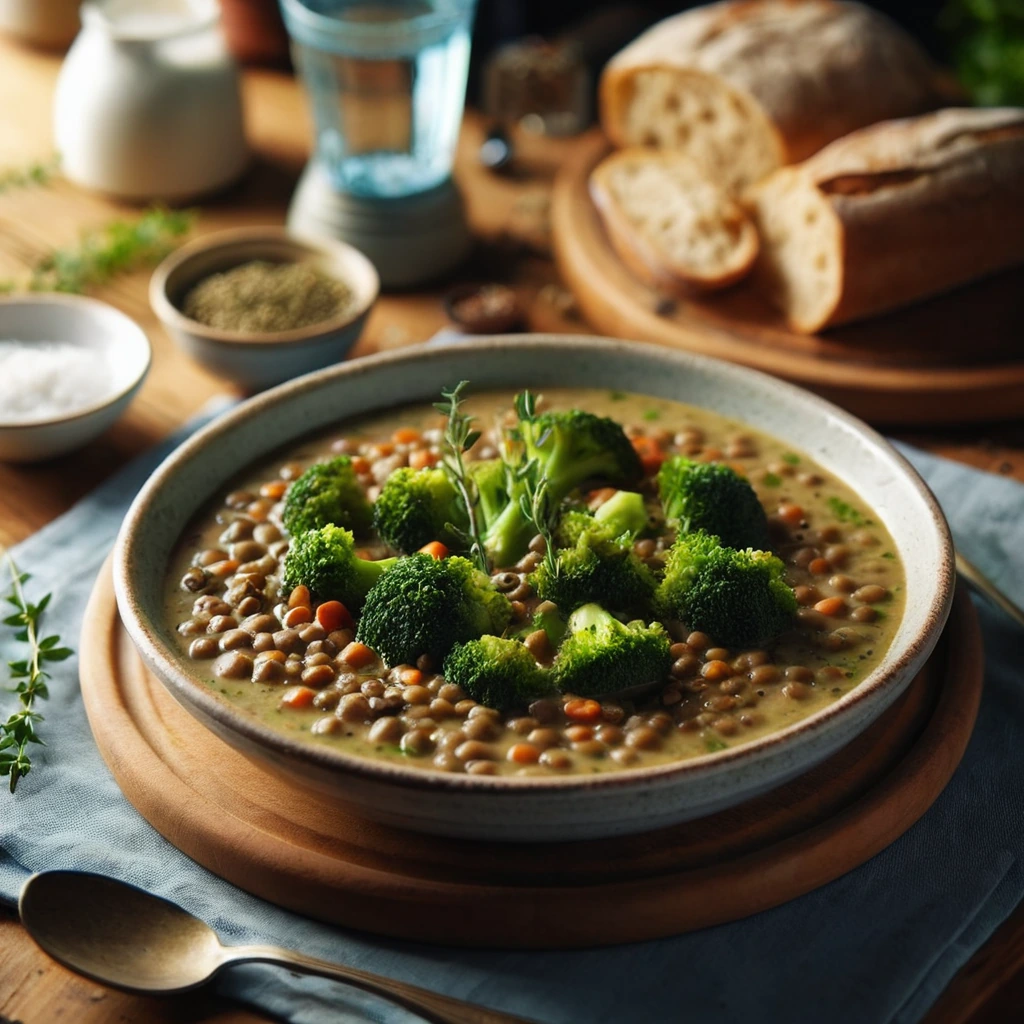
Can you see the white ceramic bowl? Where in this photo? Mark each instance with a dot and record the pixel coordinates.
(572, 807)
(84, 322)
(257, 361)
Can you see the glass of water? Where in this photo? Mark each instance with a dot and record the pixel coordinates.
(387, 83)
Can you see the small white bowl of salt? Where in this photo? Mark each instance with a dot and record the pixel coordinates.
(69, 367)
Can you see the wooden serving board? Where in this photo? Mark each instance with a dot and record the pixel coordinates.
(318, 858)
(953, 359)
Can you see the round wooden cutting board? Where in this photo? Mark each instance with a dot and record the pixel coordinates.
(953, 359)
(317, 858)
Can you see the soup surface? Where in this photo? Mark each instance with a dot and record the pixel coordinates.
(228, 610)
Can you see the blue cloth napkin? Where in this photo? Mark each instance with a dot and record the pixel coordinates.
(875, 946)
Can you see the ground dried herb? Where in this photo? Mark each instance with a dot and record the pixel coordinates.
(261, 298)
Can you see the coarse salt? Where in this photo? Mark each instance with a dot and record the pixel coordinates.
(42, 380)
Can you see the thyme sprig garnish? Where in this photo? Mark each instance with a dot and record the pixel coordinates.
(459, 437)
(29, 675)
(535, 494)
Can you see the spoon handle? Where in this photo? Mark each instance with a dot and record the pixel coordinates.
(980, 582)
(435, 1007)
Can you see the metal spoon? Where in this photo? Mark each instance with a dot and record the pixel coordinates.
(984, 586)
(117, 934)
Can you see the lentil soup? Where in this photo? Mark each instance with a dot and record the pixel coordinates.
(294, 664)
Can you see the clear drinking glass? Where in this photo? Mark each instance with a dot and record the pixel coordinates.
(387, 83)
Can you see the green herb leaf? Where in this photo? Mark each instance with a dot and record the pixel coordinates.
(772, 480)
(846, 513)
(19, 730)
(793, 460)
(459, 437)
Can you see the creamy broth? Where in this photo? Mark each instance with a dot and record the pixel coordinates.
(714, 699)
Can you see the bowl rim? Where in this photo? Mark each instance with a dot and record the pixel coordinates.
(229, 717)
(81, 301)
(172, 317)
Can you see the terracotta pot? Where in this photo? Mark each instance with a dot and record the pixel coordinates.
(255, 32)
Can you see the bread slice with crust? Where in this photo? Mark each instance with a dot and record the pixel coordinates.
(892, 214)
(669, 223)
(745, 86)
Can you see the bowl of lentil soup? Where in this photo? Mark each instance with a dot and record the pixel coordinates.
(281, 676)
(260, 306)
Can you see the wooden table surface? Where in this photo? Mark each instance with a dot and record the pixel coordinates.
(507, 214)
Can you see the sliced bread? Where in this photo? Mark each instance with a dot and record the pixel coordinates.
(745, 86)
(892, 214)
(669, 223)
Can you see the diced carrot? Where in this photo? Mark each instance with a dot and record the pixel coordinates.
(299, 597)
(738, 468)
(333, 615)
(383, 449)
(791, 515)
(819, 566)
(650, 453)
(831, 606)
(582, 709)
(435, 549)
(298, 616)
(411, 676)
(523, 753)
(270, 656)
(297, 697)
(275, 489)
(224, 568)
(405, 435)
(360, 465)
(365, 554)
(711, 454)
(595, 499)
(358, 655)
(422, 458)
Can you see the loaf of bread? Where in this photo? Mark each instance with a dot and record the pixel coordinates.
(669, 223)
(745, 86)
(892, 214)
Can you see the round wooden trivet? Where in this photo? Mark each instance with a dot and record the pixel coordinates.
(955, 358)
(290, 847)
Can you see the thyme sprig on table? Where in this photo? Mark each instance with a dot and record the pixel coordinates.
(39, 172)
(459, 437)
(29, 676)
(104, 252)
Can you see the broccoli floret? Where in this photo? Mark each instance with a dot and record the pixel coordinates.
(739, 598)
(497, 673)
(328, 492)
(492, 489)
(602, 655)
(549, 618)
(569, 448)
(712, 497)
(415, 506)
(425, 605)
(599, 567)
(325, 560)
(624, 515)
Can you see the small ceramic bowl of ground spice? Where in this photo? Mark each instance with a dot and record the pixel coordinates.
(259, 306)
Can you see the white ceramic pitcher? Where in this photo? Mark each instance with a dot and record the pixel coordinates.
(148, 103)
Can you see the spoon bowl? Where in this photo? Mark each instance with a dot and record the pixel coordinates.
(117, 934)
(123, 936)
